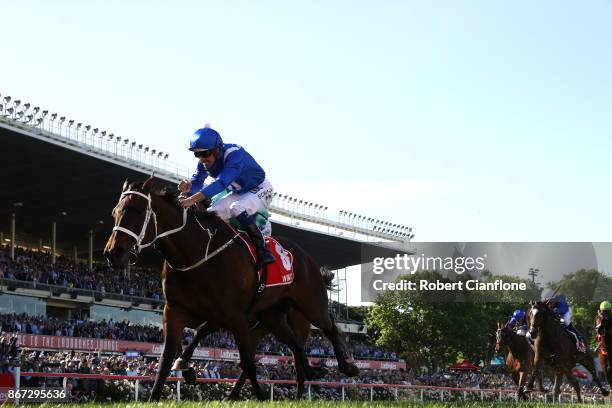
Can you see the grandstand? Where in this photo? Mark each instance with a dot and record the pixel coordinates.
(61, 178)
(73, 173)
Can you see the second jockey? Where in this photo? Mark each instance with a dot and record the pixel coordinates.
(518, 322)
(562, 309)
(603, 314)
(232, 168)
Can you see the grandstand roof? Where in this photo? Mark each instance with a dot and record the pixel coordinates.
(50, 177)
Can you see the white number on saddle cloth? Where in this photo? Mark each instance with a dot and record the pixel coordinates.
(285, 256)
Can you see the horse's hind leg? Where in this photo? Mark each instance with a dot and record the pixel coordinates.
(301, 328)
(256, 335)
(240, 330)
(587, 362)
(173, 333)
(340, 349)
(276, 321)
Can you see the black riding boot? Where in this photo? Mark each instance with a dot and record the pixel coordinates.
(264, 256)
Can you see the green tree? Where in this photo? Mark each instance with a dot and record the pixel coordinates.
(433, 328)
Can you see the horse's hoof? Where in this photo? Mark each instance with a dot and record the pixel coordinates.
(231, 397)
(605, 392)
(180, 365)
(190, 376)
(350, 370)
(315, 373)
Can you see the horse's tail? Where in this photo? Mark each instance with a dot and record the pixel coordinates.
(328, 278)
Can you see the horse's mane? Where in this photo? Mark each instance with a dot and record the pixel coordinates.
(170, 195)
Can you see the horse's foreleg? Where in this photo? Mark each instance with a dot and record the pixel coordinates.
(557, 388)
(203, 330)
(173, 333)
(521, 385)
(539, 375)
(572, 380)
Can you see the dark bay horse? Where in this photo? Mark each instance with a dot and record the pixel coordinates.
(209, 277)
(604, 340)
(554, 345)
(519, 360)
(295, 319)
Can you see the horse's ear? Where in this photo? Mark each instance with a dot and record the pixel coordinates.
(126, 184)
(148, 185)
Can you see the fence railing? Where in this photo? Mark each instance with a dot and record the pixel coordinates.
(420, 393)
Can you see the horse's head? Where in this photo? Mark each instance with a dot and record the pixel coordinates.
(502, 336)
(132, 215)
(537, 312)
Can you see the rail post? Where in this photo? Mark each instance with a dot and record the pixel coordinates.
(271, 391)
(395, 392)
(309, 393)
(136, 389)
(371, 393)
(343, 393)
(422, 392)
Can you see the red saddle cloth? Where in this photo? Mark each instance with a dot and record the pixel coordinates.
(279, 272)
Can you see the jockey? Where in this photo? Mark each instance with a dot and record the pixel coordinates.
(561, 308)
(604, 312)
(233, 168)
(518, 322)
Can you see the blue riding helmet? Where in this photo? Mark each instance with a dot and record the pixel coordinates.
(518, 314)
(205, 139)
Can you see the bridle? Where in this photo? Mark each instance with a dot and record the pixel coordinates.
(150, 214)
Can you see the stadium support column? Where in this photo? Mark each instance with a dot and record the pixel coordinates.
(91, 234)
(13, 236)
(75, 254)
(53, 241)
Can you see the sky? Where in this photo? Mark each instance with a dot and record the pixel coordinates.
(468, 120)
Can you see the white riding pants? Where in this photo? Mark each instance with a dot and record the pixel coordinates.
(251, 201)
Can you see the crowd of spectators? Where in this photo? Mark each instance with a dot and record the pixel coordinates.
(35, 266)
(123, 390)
(316, 346)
